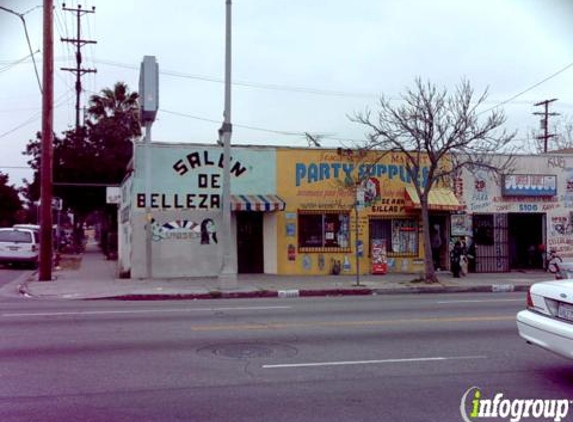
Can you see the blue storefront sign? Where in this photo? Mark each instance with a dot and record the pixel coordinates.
(529, 185)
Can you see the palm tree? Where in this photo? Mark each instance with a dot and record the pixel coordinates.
(117, 107)
(114, 102)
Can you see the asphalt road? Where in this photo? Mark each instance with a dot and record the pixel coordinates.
(385, 358)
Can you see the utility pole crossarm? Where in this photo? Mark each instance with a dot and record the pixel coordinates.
(79, 43)
(76, 41)
(82, 71)
(545, 121)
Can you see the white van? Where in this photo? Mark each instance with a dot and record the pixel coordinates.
(27, 226)
(19, 246)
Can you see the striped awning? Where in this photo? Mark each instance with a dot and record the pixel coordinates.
(439, 199)
(257, 203)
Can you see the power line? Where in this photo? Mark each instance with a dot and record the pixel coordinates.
(190, 116)
(33, 118)
(17, 62)
(21, 16)
(528, 89)
(309, 90)
(302, 134)
(278, 87)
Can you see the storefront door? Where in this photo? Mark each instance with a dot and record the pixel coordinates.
(250, 242)
(439, 241)
(525, 236)
(491, 243)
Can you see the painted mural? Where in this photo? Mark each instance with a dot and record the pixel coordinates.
(191, 176)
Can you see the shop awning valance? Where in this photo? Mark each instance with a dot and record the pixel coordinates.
(257, 203)
(439, 199)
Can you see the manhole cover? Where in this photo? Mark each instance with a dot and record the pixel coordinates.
(248, 350)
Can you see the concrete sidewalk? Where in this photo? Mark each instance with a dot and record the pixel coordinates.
(91, 276)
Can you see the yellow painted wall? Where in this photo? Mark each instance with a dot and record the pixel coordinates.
(312, 179)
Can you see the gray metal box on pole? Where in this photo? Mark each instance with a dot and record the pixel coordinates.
(148, 104)
(149, 89)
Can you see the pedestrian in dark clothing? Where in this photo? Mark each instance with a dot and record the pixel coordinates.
(456, 256)
(436, 244)
(471, 254)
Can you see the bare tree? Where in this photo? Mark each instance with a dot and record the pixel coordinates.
(440, 132)
(564, 130)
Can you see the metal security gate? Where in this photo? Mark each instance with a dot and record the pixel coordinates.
(492, 243)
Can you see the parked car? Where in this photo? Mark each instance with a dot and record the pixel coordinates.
(19, 246)
(27, 226)
(548, 320)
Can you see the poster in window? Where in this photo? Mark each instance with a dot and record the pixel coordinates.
(343, 230)
(290, 230)
(378, 256)
(404, 236)
(346, 265)
(461, 225)
(483, 229)
(307, 263)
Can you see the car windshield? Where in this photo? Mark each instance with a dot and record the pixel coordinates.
(15, 236)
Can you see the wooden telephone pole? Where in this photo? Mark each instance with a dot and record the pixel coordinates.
(545, 122)
(45, 267)
(78, 70)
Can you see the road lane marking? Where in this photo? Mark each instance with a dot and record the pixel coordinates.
(143, 311)
(481, 301)
(337, 324)
(370, 362)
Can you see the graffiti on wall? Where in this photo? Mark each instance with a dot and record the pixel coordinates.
(205, 231)
(560, 236)
(556, 162)
(566, 198)
(480, 197)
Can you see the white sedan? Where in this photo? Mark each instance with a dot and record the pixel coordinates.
(548, 320)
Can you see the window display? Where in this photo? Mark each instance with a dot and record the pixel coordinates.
(323, 230)
(400, 235)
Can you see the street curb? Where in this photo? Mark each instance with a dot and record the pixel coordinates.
(286, 294)
(23, 284)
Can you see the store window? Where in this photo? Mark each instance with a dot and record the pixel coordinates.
(483, 229)
(401, 235)
(323, 231)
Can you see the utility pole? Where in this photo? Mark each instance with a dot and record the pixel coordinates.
(228, 274)
(545, 121)
(149, 104)
(45, 268)
(78, 70)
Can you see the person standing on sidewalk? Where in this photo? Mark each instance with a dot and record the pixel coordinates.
(436, 244)
(456, 257)
(463, 257)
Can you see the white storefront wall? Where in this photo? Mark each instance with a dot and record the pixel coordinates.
(481, 193)
(184, 204)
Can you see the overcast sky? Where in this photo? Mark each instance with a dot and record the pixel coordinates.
(298, 65)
